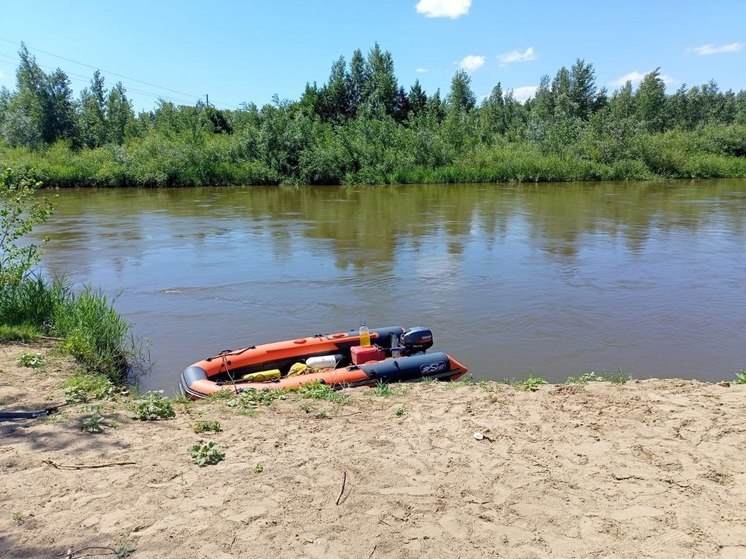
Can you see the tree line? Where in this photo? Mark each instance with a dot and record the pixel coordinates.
(362, 126)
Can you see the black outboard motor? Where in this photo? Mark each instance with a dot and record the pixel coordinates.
(415, 340)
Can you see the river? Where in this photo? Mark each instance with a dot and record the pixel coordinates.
(514, 280)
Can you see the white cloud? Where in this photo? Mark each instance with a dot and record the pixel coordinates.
(705, 50)
(471, 62)
(524, 93)
(517, 56)
(422, 70)
(636, 77)
(443, 8)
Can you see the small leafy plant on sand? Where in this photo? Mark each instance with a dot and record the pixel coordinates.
(94, 423)
(258, 469)
(31, 360)
(153, 407)
(251, 398)
(399, 411)
(222, 394)
(182, 399)
(532, 383)
(382, 389)
(123, 547)
(206, 453)
(84, 387)
(615, 377)
(585, 378)
(18, 517)
(741, 377)
(207, 426)
(321, 391)
(321, 413)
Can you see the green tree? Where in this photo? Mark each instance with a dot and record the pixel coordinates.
(417, 98)
(379, 92)
(358, 77)
(335, 97)
(20, 211)
(650, 101)
(583, 92)
(494, 112)
(119, 114)
(42, 110)
(622, 103)
(92, 117)
(461, 98)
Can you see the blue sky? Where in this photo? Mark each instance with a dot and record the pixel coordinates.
(247, 51)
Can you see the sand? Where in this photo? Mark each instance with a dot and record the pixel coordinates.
(651, 468)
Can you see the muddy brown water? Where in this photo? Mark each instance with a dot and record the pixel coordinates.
(549, 279)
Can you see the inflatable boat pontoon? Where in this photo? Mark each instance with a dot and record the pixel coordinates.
(395, 355)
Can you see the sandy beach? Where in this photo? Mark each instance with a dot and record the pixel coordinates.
(648, 468)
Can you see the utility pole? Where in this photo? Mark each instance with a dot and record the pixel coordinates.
(207, 99)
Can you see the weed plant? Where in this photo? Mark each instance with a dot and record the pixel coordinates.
(84, 387)
(321, 391)
(251, 398)
(205, 454)
(94, 423)
(532, 383)
(615, 377)
(382, 389)
(207, 426)
(741, 377)
(31, 360)
(153, 407)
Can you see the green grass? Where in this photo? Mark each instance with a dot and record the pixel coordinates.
(616, 377)
(94, 333)
(207, 426)
(19, 333)
(741, 377)
(382, 389)
(86, 323)
(321, 391)
(83, 387)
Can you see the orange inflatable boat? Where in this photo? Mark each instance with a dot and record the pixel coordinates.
(394, 355)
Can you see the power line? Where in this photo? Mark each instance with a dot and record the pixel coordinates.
(79, 78)
(181, 93)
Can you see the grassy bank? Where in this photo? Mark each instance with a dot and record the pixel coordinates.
(84, 321)
(385, 154)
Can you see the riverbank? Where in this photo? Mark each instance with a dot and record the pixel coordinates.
(397, 157)
(648, 468)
